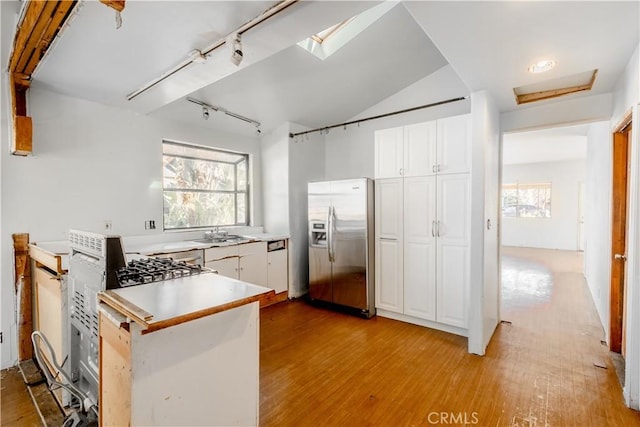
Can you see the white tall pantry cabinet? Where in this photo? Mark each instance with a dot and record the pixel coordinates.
(423, 223)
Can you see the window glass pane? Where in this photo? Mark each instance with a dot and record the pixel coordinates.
(204, 187)
(526, 200)
(242, 175)
(242, 208)
(184, 209)
(197, 174)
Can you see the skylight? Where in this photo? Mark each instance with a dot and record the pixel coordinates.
(324, 35)
(327, 42)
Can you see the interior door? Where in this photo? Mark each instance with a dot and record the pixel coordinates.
(349, 242)
(619, 238)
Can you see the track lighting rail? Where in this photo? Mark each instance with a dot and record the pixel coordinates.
(380, 116)
(241, 30)
(216, 108)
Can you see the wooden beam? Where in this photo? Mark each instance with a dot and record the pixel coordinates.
(22, 280)
(41, 22)
(118, 5)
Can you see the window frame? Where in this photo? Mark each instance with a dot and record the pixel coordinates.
(245, 157)
(517, 186)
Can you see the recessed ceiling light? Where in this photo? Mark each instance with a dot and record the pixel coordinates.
(542, 66)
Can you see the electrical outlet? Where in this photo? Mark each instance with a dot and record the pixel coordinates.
(150, 225)
(107, 224)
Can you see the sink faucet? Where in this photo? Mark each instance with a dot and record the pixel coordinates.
(215, 233)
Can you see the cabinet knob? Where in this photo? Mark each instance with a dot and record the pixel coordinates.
(401, 171)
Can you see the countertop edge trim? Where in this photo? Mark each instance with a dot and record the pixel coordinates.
(166, 323)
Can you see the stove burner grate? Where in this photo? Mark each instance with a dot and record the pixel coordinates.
(148, 270)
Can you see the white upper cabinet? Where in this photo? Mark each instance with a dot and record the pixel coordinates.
(422, 149)
(388, 155)
(419, 149)
(454, 144)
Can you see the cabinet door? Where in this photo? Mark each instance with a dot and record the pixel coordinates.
(388, 256)
(253, 263)
(454, 144)
(278, 270)
(388, 152)
(227, 267)
(453, 239)
(420, 149)
(420, 247)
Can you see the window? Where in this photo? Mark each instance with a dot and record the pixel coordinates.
(526, 200)
(204, 187)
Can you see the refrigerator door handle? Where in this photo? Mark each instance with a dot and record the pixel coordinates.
(330, 233)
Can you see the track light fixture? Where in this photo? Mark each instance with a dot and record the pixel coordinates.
(235, 42)
(206, 107)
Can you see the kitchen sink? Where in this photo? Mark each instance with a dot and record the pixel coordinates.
(229, 238)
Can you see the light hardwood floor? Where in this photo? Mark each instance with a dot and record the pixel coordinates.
(320, 367)
(323, 368)
(17, 407)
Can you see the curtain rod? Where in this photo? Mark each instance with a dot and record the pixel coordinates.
(380, 116)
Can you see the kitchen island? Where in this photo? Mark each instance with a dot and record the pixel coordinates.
(180, 352)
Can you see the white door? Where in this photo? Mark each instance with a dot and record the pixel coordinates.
(420, 149)
(389, 254)
(452, 248)
(454, 144)
(420, 247)
(388, 152)
(253, 263)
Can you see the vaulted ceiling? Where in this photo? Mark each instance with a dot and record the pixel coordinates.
(488, 44)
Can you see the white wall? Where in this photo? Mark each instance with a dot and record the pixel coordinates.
(91, 163)
(275, 179)
(558, 113)
(627, 91)
(350, 152)
(597, 218)
(561, 230)
(288, 165)
(484, 252)
(306, 163)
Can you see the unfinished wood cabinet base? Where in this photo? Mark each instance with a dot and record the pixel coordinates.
(201, 372)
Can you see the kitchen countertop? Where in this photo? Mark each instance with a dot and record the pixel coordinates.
(61, 248)
(163, 304)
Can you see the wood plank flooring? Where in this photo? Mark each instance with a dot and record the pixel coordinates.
(323, 368)
(17, 407)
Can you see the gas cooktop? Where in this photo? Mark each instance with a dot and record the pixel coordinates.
(147, 270)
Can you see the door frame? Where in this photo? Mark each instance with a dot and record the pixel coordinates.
(621, 143)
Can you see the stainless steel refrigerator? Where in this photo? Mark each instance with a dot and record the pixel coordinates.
(341, 245)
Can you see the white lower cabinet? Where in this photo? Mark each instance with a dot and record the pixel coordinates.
(388, 250)
(422, 248)
(277, 270)
(247, 262)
